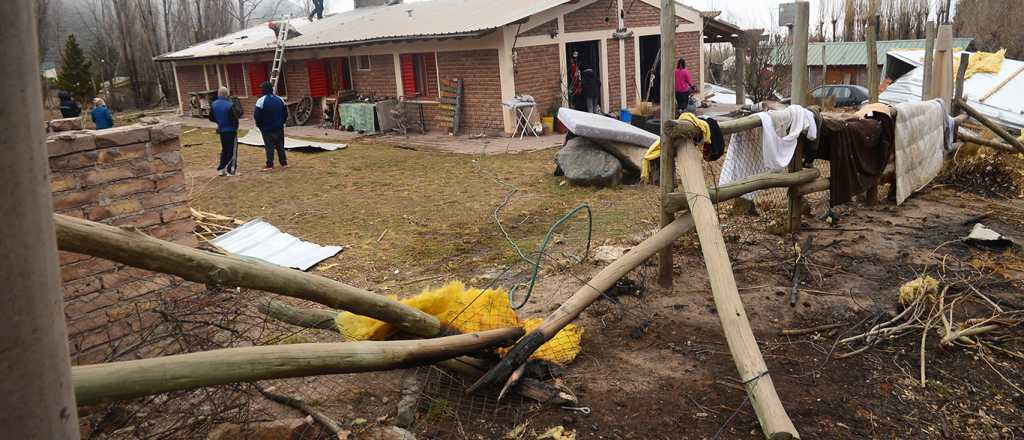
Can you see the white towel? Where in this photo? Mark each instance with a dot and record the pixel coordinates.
(769, 148)
(920, 130)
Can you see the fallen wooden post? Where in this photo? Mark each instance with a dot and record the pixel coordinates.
(991, 125)
(133, 248)
(145, 377)
(751, 366)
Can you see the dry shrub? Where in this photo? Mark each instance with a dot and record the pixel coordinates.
(986, 173)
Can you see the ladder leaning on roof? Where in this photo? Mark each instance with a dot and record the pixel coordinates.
(282, 37)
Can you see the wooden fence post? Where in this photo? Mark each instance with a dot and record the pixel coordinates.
(958, 91)
(799, 96)
(36, 400)
(929, 55)
(668, 97)
(871, 195)
(741, 70)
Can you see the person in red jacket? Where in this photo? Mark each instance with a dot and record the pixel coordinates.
(684, 86)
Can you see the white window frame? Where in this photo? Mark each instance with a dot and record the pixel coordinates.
(359, 65)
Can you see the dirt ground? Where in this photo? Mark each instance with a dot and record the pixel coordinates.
(654, 363)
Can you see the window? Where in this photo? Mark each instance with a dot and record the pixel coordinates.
(419, 75)
(363, 62)
(819, 92)
(841, 92)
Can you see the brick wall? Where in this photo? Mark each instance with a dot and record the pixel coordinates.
(482, 111)
(544, 29)
(537, 74)
(190, 79)
(596, 16)
(688, 47)
(631, 73)
(126, 176)
(379, 80)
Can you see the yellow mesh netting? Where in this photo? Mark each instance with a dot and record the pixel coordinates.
(467, 311)
(912, 290)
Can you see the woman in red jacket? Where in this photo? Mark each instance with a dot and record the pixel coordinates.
(684, 86)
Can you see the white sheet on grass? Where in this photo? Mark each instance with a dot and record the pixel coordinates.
(255, 138)
(262, 241)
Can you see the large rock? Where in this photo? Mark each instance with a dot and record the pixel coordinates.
(586, 164)
(66, 124)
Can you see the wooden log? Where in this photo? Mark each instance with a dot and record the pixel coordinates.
(133, 248)
(958, 89)
(929, 56)
(817, 185)
(583, 297)
(35, 396)
(991, 125)
(677, 129)
(676, 202)
(145, 377)
(323, 419)
(799, 97)
(668, 88)
(307, 318)
(1001, 84)
(749, 363)
(870, 36)
(991, 143)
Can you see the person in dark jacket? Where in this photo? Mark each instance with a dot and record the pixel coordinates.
(68, 107)
(270, 115)
(101, 115)
(224, 113)
(318, 10)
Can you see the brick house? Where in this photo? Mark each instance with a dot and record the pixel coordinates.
(500, 48)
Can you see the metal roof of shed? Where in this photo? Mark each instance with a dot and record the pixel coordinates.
(855, 53)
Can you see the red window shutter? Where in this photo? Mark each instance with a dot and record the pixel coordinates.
(318, 84)
(408, 75)
(257, 76)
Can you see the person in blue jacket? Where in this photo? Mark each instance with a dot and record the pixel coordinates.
(225, 114)
(101, 115)
(270, 115)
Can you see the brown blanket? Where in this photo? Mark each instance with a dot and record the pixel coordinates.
(858, 151)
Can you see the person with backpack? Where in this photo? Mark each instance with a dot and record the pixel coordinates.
(270, 115)
(225, 113)
(68, 107)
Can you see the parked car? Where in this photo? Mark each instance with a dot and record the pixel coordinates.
(844, 95)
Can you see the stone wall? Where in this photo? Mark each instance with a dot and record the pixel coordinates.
(125, 176)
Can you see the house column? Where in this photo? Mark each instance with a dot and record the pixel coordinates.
(506, 75)
(177, 88)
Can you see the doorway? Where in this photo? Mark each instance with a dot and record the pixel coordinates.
(650, 69)
(583, 75)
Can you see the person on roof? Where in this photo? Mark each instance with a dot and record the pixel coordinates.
(270, 115)
(225, 114)
(318, 10)
(101, 115)
(68, 107)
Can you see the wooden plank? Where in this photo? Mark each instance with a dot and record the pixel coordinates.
(749, 363)
(1001, 84)
(942, 67)
(958, 90)
(667, 174)
(929, 56)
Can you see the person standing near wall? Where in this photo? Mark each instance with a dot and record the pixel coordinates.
(101, 115)
(68, 107)
(224, 113)
(591, 90)
(270, 115)
(684, 86)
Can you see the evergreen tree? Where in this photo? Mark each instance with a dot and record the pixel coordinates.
(75, 75)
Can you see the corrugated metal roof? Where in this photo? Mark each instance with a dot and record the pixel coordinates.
(435, 18)
(262, 241)
(855, 53)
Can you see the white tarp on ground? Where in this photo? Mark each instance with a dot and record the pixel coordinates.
(594, 126)
(1004, 106)
(255, 138)
(262, 241)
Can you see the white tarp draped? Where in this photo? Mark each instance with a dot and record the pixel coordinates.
(1005, 106)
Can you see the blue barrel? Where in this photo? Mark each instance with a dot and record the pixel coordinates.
(625, 115)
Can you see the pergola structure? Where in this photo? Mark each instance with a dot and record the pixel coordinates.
(718, 31)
